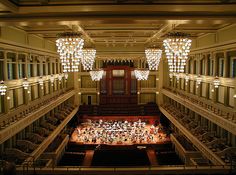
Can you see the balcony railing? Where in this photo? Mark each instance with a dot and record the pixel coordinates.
(198, 107)
(203, 148)
(29, 118)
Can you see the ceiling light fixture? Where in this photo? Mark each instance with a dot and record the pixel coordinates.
(177, 47)
(88, 58)
(141, 74)
(69, 46)
(153, 56)
(96, 75)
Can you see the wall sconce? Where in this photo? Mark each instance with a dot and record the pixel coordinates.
(25, 83)
(3, 88)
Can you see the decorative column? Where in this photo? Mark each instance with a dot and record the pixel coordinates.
(16, 67)
(5, 73)
(215, 69)
(159, 82)
(226, 65)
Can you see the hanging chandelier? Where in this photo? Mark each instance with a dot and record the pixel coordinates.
(216, 82)
(96, 75)
(153, 56)
(25, 84)
(3, 88)
(88, 58)
(40, 80)
(177, 47)
(198, 80)
(141, 74)
(69, 46)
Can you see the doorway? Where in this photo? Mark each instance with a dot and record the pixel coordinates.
(89, 100)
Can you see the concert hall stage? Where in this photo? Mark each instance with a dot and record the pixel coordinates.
(120, 131)
(151, 119)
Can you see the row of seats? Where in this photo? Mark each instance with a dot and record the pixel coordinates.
(26, 145)
(18, 114)
(209, 138)
(228, 114)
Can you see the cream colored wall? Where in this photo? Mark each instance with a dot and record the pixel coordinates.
(147, 97)
(86, 82)
(19, 36)
(84, 98)
(206, 40)
(227, 34)
(149, 83)
(13, 34)
(222, 35)
(35, 41)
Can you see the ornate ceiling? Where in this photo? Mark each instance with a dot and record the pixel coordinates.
(118, 28)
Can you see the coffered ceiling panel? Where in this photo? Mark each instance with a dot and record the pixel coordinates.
(118, 26)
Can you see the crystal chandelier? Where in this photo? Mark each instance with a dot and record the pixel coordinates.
(25, 84)
(40, 80)
(199, 80)
(216, 82)
(153, 56)
(3, 88)
(69, 46)
(177, 47)
(186, 79)
(141, 74)
(96, 75)
(88, 58)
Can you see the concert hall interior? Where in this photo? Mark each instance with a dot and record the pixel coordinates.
(117, 87)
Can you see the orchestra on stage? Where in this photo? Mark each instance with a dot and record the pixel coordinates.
(118, 132)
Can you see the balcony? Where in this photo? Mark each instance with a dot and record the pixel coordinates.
(222, 119)
(25, 151)
(23, 121)
(204, 140)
